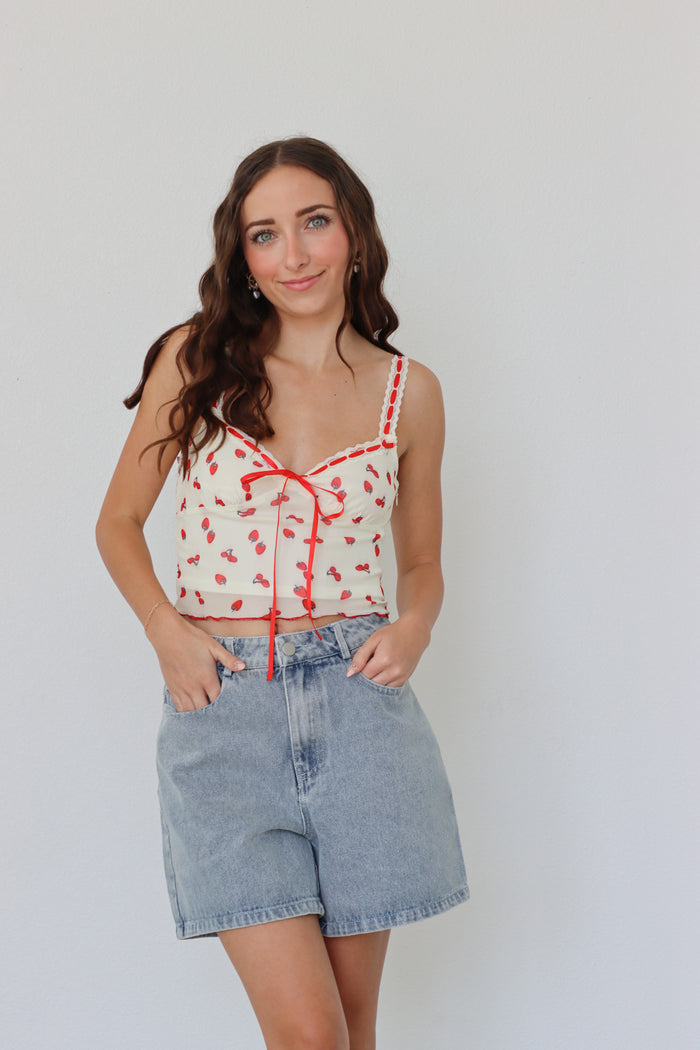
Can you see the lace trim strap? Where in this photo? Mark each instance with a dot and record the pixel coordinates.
(392, 396)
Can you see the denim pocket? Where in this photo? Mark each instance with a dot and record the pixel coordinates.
(388, 690)
(170, 705)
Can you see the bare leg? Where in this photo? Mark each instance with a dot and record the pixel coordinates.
(286, 971)
(357, 963)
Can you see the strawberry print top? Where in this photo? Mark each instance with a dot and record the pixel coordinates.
(253, 537)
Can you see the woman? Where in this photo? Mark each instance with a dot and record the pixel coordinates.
(305, 807)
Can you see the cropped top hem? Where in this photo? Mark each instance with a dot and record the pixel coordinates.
(301, 616)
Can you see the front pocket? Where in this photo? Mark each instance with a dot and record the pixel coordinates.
(390, 690)
(170, 705)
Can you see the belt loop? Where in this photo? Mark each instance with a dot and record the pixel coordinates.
(340, 638)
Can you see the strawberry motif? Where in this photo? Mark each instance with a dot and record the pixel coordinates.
(350, 540)
(235, 606)
(183, 505)
(194, 560)
(281, 497)
(334, 573)
(178, 573)
(253, 535)
(210, 536)
(220, 579)
(363, 568)
(368, 487)
(199, 598)
(336, 483)
(219, 502)
(195, 484)
(380, 502)
(205, 524)
(388, 477)
(259, 548)
(299, 521)
(229, 555)
(183, 592)
(301, 565)
(213, 468)
(300, 590)
(377, 536)
(183, 534)
(240, 453)
(246, 513)
(257, 463)
(346, 594)
(325, 520)
(356, 521)
(372, 470)
(288, 533)
(259, 578)
(376, 549)
(319, 539)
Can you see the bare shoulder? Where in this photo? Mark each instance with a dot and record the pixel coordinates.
(421, 382)
(422, 409)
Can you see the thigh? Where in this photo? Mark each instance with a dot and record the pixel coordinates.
(357, 963)
(287, 974)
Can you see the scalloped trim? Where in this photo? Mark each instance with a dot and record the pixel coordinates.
(393, 396)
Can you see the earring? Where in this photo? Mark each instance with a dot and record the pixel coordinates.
(356, 265)
(253, 285)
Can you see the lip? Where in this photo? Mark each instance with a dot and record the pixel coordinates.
(300, 284)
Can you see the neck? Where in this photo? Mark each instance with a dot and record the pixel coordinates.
(310, 342)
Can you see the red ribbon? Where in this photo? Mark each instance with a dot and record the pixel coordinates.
(289, 475)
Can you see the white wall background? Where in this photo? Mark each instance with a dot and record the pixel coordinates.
(535, 167)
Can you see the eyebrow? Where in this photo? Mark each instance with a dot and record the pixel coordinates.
(303, 211)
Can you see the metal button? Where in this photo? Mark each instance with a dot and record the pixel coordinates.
(289, 648)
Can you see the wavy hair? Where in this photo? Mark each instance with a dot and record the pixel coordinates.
(227, 339)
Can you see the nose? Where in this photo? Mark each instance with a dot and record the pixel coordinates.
(297, 254)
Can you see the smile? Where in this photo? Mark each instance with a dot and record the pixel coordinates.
(302, 283)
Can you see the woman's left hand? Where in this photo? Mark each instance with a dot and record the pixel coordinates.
(391, 653)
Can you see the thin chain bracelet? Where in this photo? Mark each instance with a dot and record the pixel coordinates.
(163, 601)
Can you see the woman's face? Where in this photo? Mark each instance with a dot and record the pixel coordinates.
(295, 244)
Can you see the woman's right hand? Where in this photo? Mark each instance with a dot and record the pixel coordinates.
(188, 659)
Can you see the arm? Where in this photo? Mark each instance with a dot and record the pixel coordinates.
(187, 655)
(391, 654)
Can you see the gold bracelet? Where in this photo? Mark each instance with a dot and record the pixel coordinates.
(163, 601)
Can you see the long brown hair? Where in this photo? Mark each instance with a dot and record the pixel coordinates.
(222, 350)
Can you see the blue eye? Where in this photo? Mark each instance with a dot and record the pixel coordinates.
(264, 237)
(317, 222)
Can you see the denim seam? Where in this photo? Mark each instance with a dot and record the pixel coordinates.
(252, 916)
(388, 920)
(291, 745)
(176, 899)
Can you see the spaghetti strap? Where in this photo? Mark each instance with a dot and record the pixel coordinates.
(392, 396)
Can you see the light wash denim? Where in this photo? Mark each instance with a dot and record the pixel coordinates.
(311, 793)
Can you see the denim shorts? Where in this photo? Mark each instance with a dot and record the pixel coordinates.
(313, 793)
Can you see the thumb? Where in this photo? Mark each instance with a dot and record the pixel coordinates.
(230, 660)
